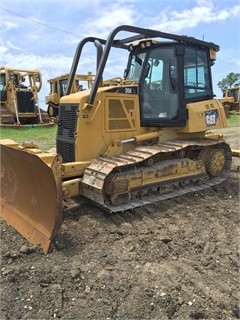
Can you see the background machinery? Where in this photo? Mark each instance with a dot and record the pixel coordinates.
(19, 97)
(146, 137)
(231, 99)
(58, 89)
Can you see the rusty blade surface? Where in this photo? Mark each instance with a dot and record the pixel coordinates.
(31, 195)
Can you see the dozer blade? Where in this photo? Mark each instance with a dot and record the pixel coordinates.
(31, 195)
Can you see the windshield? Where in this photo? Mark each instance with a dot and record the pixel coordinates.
(135, 67)
(63, 86)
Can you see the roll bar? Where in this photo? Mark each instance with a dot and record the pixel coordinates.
(102, 56)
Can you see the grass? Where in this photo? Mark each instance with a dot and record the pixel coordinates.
(44, 137)
(234, 120)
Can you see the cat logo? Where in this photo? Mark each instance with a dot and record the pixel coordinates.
(211, 117)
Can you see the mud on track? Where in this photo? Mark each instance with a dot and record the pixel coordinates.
(177, 259)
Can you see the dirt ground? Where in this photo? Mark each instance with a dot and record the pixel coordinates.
(177, 259)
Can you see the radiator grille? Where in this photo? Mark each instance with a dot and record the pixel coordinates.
(25, 101)
(66, 149)
(66, 131)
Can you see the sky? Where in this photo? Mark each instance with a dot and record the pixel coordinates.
(44, 34)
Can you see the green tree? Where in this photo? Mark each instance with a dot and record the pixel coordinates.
(231, 80)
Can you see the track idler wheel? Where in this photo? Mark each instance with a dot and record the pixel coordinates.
(215, 160)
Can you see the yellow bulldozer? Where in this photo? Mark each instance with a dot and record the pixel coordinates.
(19, 90)
(149, 136)
(58, 89)
(231, 99)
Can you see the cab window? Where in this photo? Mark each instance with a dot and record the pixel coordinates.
(197, 82)
(159, 98)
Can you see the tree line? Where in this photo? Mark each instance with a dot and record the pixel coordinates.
(230, 81)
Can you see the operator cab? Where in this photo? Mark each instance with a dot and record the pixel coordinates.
(169, 75)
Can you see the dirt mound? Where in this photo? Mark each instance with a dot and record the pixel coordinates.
(177, 259)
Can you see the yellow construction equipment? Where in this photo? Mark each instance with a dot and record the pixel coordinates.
(58, 89)
(19, 97)
(144, 137)
(231, 99)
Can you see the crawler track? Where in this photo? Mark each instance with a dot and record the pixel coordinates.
(109, 181)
